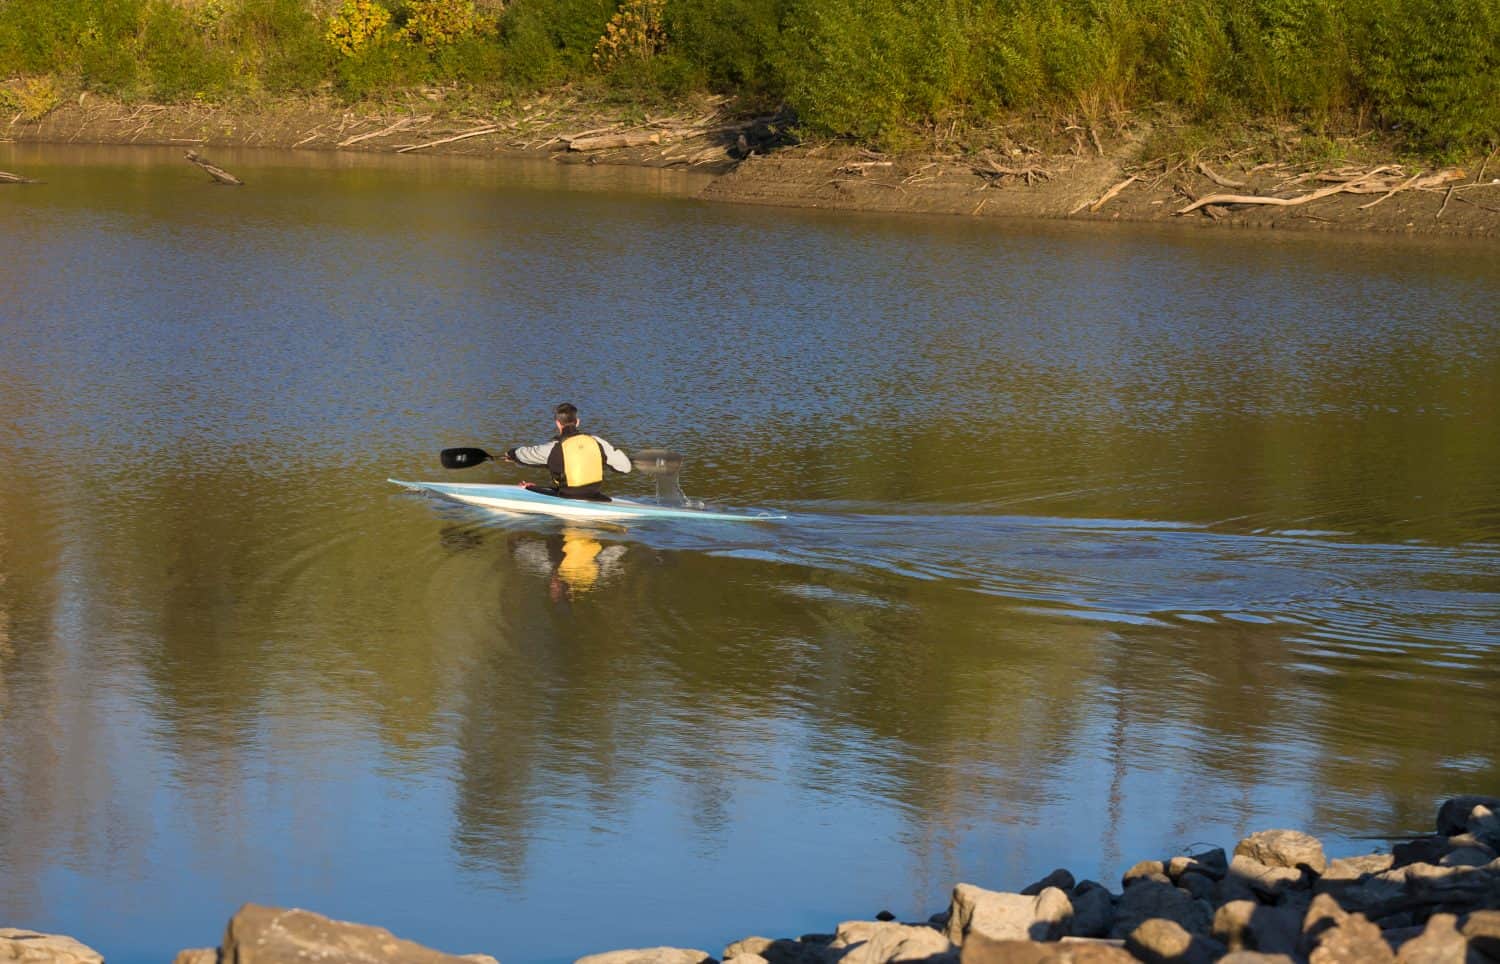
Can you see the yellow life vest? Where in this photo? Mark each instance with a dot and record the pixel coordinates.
(582, 461)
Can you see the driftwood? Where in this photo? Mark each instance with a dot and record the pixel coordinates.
(400, 124)
(8, 178)
(994, 172)
(476, 132)
(1106, 197)
(1219, 179)
(1369, 183)
(219, 175)
(607, 141)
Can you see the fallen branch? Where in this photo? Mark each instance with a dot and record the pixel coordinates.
(994, 172)
(403, 122)
(219, 175)
(477, 132)
(860, 167)
(1106, 197)
(1395, 190)
(1219, 179)
(608, 141)
(8, 178)
(1332, 189)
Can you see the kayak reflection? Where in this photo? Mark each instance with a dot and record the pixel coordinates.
(573, 560)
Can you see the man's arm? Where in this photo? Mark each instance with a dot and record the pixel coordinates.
(613, 457)
(530, 454)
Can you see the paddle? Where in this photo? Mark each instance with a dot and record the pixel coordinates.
(646, 461)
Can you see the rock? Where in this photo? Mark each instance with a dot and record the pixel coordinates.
(1353, 940)
(1439, 943)
(34, 947)
(1256, 957)
(197, 955)
(1248, 926)
(1059, 878)
(1453, 815)
(641, 955)
(1213, 864)
(882, 942)
(1421, 850)
(1149, 899)
(275, 935)
(1265, 881)
(779, 951)
(1472, 886)
(981, 950)
(1001, 916)
(1161, 941)
(1367, 895)
(1352, 868)
(1093, 912)
(884, 915)
(1322, 915)
(1484, 826)
(1284, 848)
(1198, 885)
(746, 959)
(1482, 928)
(1467, 857)
(1145, 870)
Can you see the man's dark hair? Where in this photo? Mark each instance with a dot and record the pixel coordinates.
(567, 414)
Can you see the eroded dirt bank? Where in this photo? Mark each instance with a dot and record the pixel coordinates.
(1100, 177)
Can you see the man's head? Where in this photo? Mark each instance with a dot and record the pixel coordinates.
(566, 415)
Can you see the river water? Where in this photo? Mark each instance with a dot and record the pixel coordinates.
(1102, 543)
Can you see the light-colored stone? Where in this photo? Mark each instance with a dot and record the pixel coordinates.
(1093, 912)
(1352, 868)
(1439, 943)
(1264, 880)
(779, 951)
(1161, 941)
(1284, 848)
(34, 947)
(1061, 878)
(1255, 957)
(1149, 899)
(1249, 926)
(882, 942)
(747, 959)
(1453, 815)
(748, 945)
(275, 935)
(1482, 928)
(648, 955)
(1145, 870)
(197, 955)
(980, 950)
(1007, 917)
(1353, 940)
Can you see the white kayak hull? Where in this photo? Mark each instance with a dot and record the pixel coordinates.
(515, 499)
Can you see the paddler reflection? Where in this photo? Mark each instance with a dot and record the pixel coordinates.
(574, 560)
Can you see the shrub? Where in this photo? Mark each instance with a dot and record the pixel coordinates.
(356, 25)
(31, 98)
(635, 32)
(435, 23)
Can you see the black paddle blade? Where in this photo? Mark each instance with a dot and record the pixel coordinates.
(463, 458)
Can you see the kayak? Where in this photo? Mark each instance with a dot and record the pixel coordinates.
(513, 498)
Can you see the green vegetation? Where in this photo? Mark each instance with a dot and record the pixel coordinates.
(877, 70)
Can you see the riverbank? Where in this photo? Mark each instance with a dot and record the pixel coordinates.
(1277, 899)
(1137, 171)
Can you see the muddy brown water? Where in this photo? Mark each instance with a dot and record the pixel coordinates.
(1103, 543)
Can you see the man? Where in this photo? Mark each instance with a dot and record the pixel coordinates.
(576, 461)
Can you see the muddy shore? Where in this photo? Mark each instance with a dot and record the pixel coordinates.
(1070, 177)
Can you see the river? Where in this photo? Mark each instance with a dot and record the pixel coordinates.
(1102, 542)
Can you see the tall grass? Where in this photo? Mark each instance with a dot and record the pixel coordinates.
(1428, 70)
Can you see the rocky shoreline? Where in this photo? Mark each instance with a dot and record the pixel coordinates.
(1276, 899)
(1019, 172)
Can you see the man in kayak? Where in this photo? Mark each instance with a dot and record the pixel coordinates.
(576, 461)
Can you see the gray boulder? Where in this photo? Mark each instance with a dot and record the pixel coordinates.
(34, 947)
(882, 942)
(1420, 850)
(275, 935)
(1199, 885)
(1256, 957)
(1060, 878)
(1161, 941)
(1439, 943)
(1007, 917)
(1353, 940)
(1213, 864)
(1353, 868)
(1149, 899)
(1093, 911)
(1482, 928)
(1145, 870)
(1453, 816)
(981, 950)
(778, 951)
(1284, 848)
(1265, 881)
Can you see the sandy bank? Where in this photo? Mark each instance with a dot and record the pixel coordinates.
(1099, 179)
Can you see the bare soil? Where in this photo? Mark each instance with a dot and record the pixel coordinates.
(759, 162)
